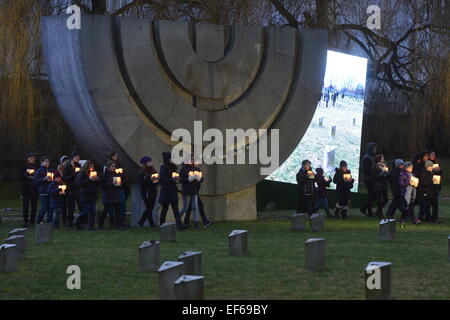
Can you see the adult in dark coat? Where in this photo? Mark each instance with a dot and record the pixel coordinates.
(71, 170)
(322, 196)
(305, 180)
(41, 180)
(29, 189)
(201, 208)
(169, 193)
(57, 199)
(149, 189)
(189, 190)
(437, 171)
(87, 183)
(111, 195)
(380, 178)
(419, 162)
(394, 179)
(343, 187)
(125, 190)
(426, 192)
(368, 178)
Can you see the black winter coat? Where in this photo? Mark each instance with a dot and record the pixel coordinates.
(188, 188)
(367, 163)
(426, 187)
(395, 184)
(28, 187)
(88, 189)
(169, 191)
(69, 177)
(342, 187)
(305, 184)
(111, 192)
(148, 187)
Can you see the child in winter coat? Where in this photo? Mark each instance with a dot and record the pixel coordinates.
(306, 180)
(322, 198)
(408, 193)
(57, 194)
(344, 183)
(189, 190)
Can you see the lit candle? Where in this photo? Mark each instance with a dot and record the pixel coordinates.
(62, 188)
(436, 179)
(385, 169)
(117, 181)
(155, 176)
(92, 174)
(119, 170)
(414, 182)
(436, 165)
(77, 169)
(191, 173)
(50, 175)
(30, 171)
(347, 177)
(175, 175)
(199, 174)
(311, 174)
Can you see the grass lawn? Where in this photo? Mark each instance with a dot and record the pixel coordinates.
(273, 270)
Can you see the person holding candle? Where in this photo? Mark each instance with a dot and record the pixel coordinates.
(344, 183)
(201, 208)
(29, 190)
(379, 180)
(124, 192)
(426, 191)
(437, 171)
(188, 177)
(111, 185)
(42, 178)
(368, 178)
(408, 192)
(396, 202)
(305, 180)
(87, 182)
(419, 162)
(322, 196)
(57, 194)
(168, 195)
(71, 169)
(148, 179)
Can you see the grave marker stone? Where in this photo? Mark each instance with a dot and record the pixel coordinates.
(387, 229)
(168, 231)
(17, 232)
(189, 287)
(315, 254)
(168, 273)
(192, 262)
(299, 221)
(333, 131)
(237, 243)
(149, 254)
(8, 258)
(44, 233)
(317, 221)
(20, 242)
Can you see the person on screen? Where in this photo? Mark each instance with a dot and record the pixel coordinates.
(306, 180)
(344, 183)
(322, 197)
(368, 178)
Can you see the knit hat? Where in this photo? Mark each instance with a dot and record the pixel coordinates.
(343, 163)
(304, 162)
(398, 162)
(319, 171)
(145, 159)
(74, 154)
(428, 163)
(30, 154)
(62, 159)
(166, 156)
(56, 174)
(407, 164)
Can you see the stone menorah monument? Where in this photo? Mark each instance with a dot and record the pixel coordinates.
(125, 84)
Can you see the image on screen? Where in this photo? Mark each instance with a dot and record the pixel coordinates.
(334, 133)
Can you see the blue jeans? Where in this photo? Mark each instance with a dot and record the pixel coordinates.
(44, 201)
(194, 203)
(322, 203)
(123, 206)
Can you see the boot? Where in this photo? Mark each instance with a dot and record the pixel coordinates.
(329, 215)
(111, 221)
(344, 214)
(379, 214)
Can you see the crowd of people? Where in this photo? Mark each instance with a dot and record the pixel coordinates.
(415, 183)
(71, 184)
